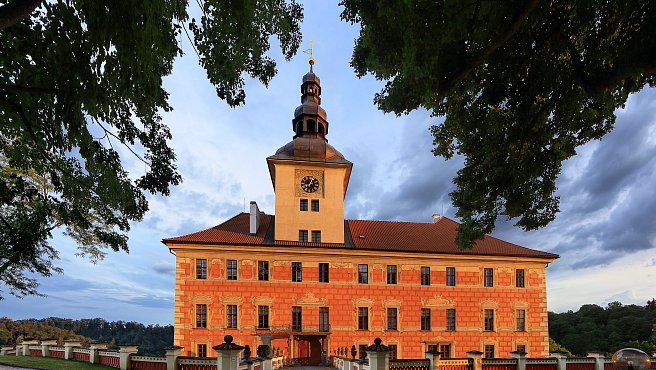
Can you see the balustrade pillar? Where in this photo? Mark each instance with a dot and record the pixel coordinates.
(477, 358)
(561, 358)
(172, 354)
(45, 346)
(599, 359)
(125, 351)
(68, 348)
(228, 354)
(521, 359)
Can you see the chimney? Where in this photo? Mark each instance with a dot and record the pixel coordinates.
(255, 218)
(436, 218)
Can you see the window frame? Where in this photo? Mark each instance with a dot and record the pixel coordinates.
(392, 276)
(451, 319)
(363, 318)
(324, 319)
(393, 351)
(363, 276)
(445, 354)
(297, 272)
(263, 270)
(425, 275)
(520, 320)
(231, 316)
(314, 205)
(303, 236)
(425, 319)
(316, 236)
(324, 272)
(263, 317)
(231, 269)
(201, 315)
(450, 276)
(201, 271)
(486, 351)
(297, 318)
(393, 318)
(520, 283)
(201, 352)
(488, 277)
(488, 319)
(303, 205)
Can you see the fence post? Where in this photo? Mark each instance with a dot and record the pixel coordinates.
(521, 359)
(378, 355)
(434, 358)
(125, 351)
(26, 346)
(599, 359)
(45, 346)
(68, 348)
(228, 354)
(172, 354)
(477, 358)
(561, 358)
(94, 348)
(19, 349)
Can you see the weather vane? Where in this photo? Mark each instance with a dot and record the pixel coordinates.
(309, 51)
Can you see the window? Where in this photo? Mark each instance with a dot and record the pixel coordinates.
(521, 348)
(521, 320)
(262, 317)
(315, 205)
(519, 278)
(391, 274)
(451, 319)
(303, 205)
(202, 350)
(451, 276)
(488, 277)
(232, 270)
(363, 274)
(316, 236)
(392, 351)
(302, 235)
(445, 350)
(489, 320)
(432, 348)
(489, 351)
(297, 272)
(201, 315)
(363, 318)
(263, 270)
(425, 319)
(323, 273)
(425, 275)
(231, 316)
(324, 317)
(297, 318)
(201, 268)
(392, 315)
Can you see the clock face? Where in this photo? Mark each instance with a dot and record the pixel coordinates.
(309, 184)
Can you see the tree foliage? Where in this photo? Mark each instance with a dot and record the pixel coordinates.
(594, 328)
(522, 84)
(151, 339)
(81, 83)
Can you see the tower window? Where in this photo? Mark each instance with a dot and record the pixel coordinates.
(315, 205)
(316, 236)
(321, 129)
(302, 235)
(311, 126)
(303, 205)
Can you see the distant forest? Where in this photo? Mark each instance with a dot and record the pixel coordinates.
(591, 328)
(594, 328)
(151, 339)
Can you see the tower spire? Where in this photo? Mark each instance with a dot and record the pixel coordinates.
(310, 120)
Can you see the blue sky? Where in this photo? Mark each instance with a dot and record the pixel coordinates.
(605, 233)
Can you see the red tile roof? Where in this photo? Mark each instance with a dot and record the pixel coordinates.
(395, 236)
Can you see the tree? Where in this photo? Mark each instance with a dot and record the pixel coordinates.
(522, 85)
(81, 81)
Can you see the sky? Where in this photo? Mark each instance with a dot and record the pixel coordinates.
(605, 232)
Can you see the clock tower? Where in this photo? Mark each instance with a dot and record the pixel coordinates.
(309, 176)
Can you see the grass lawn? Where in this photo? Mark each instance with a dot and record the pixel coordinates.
(50, 363)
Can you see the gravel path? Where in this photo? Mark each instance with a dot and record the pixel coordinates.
(7, 367)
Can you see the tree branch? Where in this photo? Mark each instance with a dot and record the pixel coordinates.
(27, 89)
(512, 30)
(15, 11)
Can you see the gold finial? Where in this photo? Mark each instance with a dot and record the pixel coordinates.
(309, 51)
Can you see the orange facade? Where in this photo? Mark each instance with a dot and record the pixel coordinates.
(343, 296)
(328, 283)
